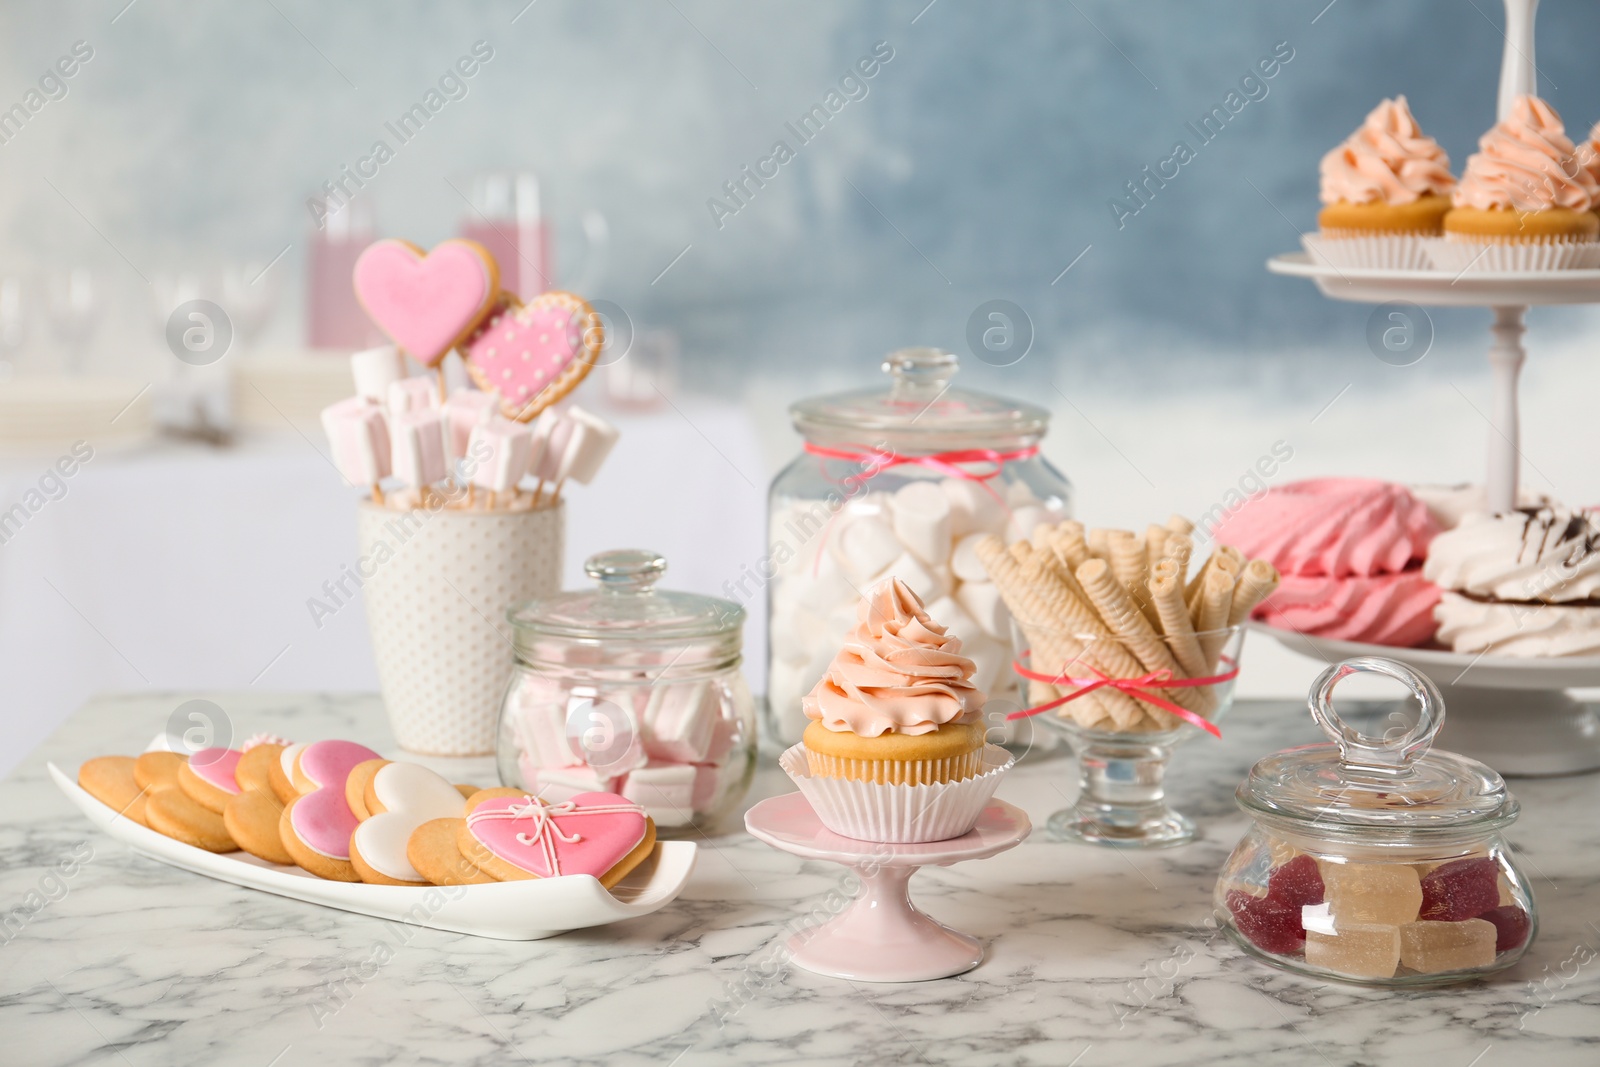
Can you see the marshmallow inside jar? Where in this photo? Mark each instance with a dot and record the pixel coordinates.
(901, 481)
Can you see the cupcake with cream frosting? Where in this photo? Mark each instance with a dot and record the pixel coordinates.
(895, 749)
(1526, 201)
(1385, 187)
(1522, 583)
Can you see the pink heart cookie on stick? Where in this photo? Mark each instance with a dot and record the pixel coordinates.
(427, 301)
(535, 354)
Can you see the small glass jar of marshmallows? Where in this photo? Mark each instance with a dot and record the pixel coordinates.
(1374, 859)
(633, 690)
(901, 481)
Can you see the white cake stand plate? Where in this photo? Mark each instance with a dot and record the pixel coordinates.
(881, 936)
(1513, 714)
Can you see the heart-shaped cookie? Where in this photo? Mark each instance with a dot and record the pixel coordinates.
(317, 825)
(599, 834)
(535, 354)
(426, 301)
(401, 797)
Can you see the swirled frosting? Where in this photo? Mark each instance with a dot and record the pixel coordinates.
(1546, 554)
(1332, 526)
(898, 672)
(1527, 163)
(1385, 609)
(1524, 630)
(1389, 160)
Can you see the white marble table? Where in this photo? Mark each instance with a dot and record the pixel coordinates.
(1095, 957)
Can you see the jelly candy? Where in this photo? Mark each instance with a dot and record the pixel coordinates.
(1462, 889)
(1432, 947)
(1360, 950)
(1296, 883)
(1511, 926)
(1387, 894)
(1270, 925)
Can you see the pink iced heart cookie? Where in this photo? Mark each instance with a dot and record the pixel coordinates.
(317, 825)
(599, 834)
(426, 301)
(535, 354)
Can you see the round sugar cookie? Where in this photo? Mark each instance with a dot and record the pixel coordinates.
(157, 770)
(109, 779)
(177, 815)
(467, 790)
(255, 766)
(307, 858)
(356, 789)
(252, 821)
(432, 850)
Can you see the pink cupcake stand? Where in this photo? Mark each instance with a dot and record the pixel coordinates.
(881, 936)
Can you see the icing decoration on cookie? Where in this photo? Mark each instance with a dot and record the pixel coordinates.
(286, 758)
(255, 740)
(215, 766)
(411, 795)
(535, 354)
(321, 817)
(589, 834)
(426, 301)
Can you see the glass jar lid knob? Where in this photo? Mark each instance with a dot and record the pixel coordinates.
(626, 570)
(1390, 755)
(920, 373)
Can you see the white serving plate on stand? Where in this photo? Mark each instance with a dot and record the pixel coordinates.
(508, 911)
(1514, 714)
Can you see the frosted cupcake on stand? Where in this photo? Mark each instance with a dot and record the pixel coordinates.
(895, 749)
(1384, 190)
(1525, 202)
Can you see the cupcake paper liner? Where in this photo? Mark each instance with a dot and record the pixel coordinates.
(897, 772)
(1352, 251)
(898, 814)
(1459, 254)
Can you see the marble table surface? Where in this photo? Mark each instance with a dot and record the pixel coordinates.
(1095, 956)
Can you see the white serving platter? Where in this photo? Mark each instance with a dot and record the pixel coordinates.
(1454, 668)
(508, 911)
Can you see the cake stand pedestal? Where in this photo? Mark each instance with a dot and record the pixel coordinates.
(881, 936)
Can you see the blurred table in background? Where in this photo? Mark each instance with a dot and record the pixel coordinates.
(177, 566)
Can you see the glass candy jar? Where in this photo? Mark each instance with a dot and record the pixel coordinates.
(899, 481)
(1374, 859)
(633, 690)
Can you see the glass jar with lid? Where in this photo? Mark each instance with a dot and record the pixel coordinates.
(900, 481)
(1374, 859)
(634, 690)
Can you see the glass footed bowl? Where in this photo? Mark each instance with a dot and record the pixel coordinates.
(1112, 706)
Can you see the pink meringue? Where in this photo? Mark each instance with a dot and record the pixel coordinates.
(1385, 609)
(1332, 526)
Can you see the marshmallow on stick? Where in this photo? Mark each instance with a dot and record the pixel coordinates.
(462, 411)
(416, 441)
(358, 436)
(498, 452)
(588, 445)
(412, 394)
(375, 370)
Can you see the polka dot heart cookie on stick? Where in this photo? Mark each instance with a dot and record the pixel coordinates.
(1116, 623)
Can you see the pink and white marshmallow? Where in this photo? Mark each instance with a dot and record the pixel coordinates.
(358, 436)
(413, 394)
(498, 451)
(375, 370)
(416, 439)
(464, 409)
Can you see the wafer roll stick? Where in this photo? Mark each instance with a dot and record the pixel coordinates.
(1073, 628)
(1218, 560)
(1041, 535)
(1256, 582)
(1100, 543)
(1167, 593)
(1070, 546)
(1128, 565)
(1155, 544)
(1052, 647)
(1212, 621)
(1130, 625)
(1180, 525)
(1180, 549)
(1026, 554)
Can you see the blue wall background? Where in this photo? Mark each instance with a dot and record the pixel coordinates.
(978, 165)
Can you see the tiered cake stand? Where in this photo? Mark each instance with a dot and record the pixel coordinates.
(1513, 714)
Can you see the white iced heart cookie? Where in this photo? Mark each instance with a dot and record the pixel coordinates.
(401, 797)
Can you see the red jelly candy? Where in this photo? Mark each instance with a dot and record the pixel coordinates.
(1296, 883)
(1270, 925)
(1512, 924)
(1461, 889)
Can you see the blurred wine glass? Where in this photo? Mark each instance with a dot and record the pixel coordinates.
(14, 324)
(76, 308)
(250, 297)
